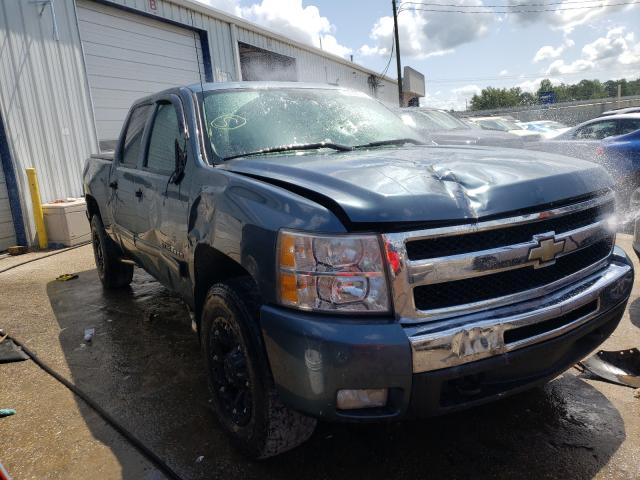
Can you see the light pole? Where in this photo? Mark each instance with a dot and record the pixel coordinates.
(397, 42)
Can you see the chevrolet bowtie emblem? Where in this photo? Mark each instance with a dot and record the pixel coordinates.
(547, 250)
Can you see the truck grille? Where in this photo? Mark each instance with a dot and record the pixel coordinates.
(454, 245)
(442, 295)
(452, 271)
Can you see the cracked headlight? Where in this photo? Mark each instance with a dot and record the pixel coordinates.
(331, 273)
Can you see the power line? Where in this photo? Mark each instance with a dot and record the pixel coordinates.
(435, 4)
(433, 10)
(386, 68)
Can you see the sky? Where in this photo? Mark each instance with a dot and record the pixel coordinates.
(511, 44)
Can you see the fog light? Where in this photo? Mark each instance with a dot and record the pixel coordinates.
(369, 398)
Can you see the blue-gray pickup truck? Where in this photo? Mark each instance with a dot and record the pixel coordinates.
(339, 269)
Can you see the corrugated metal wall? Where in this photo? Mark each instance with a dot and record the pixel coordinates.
(312, 67)
(219, 33)
(43, 98)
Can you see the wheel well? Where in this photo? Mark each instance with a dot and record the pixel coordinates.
(210, 267)
(92, 207)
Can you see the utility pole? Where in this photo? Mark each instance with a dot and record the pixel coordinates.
(397, 43)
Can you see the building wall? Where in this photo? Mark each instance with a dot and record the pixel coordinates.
(313, 67)
(44, 100)
(44, 96)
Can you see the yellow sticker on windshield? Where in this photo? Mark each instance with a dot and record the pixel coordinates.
(228, 122)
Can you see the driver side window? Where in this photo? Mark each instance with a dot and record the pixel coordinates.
(164, 133)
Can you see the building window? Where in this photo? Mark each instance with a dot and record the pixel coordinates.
(258, 64)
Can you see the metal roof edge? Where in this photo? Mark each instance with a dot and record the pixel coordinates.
(241, 22)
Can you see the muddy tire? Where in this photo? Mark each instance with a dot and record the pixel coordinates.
(244, 396)
(112, 272)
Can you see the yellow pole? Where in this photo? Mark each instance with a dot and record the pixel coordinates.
(38, 216)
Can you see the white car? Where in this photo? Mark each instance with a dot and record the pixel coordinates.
(505, 125)
(546, 128)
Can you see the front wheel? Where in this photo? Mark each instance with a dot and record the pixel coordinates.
(244, 396)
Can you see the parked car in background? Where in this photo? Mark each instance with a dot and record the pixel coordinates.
(613, 141)
(619, 111)
(443, 128)
(546, 128)
(502, 124)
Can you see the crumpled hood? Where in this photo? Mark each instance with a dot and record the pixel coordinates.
(429, 184)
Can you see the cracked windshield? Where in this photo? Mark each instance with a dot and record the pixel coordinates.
(319, 239)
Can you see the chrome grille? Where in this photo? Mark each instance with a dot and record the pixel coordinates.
(448, 272)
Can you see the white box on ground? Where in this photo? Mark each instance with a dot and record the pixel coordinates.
(66, 221)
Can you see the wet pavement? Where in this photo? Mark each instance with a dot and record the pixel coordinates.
(144, 367)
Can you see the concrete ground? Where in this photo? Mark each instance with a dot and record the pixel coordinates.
(144, 367)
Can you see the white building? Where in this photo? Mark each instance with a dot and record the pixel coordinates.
(69, 70)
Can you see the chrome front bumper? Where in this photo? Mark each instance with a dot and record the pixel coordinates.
(448, 343)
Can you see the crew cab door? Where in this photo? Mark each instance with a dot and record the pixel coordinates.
(126, 182)
(165, 198)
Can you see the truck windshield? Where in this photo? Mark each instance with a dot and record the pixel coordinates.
(240, 122)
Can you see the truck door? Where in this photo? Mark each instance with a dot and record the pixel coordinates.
(125, 181)
(163, 240)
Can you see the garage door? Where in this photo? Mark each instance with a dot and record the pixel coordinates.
(7, 232)
(129, 56)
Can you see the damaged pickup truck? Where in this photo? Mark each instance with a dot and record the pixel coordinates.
(338, 269)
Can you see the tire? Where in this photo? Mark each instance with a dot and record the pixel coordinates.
(112, 272)
(244, 396)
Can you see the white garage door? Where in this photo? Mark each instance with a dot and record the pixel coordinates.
(129, 56)
(7, 232)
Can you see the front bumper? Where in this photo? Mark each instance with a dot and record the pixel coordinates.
(439, 367)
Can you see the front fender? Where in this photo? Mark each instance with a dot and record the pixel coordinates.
(240, 217)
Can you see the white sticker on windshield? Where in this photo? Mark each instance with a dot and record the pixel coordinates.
(228, 121)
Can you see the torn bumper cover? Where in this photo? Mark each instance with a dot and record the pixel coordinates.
(444, 365)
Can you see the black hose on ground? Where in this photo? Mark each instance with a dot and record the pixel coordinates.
(141, 447)
(45, 256)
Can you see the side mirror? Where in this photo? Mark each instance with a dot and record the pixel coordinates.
(180, 162)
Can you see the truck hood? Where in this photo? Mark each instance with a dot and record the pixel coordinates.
(424, 184)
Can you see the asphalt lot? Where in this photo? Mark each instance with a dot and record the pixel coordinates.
(144, 367)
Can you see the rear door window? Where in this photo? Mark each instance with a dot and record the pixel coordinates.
(164, 133)
(133, 136)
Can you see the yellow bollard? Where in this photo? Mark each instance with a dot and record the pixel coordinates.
(38, 216)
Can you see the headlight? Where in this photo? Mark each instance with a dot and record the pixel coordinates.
(331, 273)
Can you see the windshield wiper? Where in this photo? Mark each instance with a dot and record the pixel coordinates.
(287, 148)
(395, 141)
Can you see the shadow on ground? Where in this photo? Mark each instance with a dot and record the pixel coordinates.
(634, 312)
(144, 367)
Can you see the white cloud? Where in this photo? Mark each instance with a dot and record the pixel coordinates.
(617, 52)
(503, 73)
(566, 15)
(422, 35)
(294, 20)
(290, 18)
(532, 86)
(548, 51)
(229, 6)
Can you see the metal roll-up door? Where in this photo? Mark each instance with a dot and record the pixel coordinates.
(129, 56)
(7, 230)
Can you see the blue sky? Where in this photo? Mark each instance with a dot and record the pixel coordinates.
(462, 53)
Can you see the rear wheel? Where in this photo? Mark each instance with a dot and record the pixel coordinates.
(244, 396)
(112, 272)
